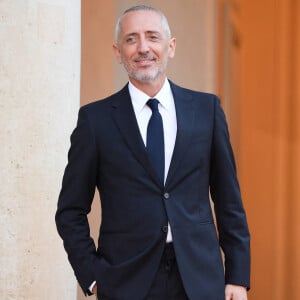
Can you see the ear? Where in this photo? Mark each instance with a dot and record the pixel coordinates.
(117, 53)
(172, 46)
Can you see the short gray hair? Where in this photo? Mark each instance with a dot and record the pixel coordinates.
(164, 20)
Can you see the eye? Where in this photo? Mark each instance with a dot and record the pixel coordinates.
(130, 40)
(153, 37)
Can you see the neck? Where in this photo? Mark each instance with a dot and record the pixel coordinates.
(149, 88)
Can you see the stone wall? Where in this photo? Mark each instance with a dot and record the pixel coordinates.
(39, 99)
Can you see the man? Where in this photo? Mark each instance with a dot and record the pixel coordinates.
(154, 164)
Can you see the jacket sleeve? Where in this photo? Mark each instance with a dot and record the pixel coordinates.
(75, 199)
(231, 219)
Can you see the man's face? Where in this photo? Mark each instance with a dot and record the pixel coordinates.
(144, 47)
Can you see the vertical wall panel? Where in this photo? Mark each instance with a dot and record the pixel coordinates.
(294, 206)
(39, 99)
(260, 75)
(97, 60)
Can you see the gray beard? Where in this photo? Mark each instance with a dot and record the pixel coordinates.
(145, 78)
(149, 76)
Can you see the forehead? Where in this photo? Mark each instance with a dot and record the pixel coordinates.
(141, 21)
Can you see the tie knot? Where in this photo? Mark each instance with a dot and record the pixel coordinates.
(153, 104)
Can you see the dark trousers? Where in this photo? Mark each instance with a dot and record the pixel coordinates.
(167, 284)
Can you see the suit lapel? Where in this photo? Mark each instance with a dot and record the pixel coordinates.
(124, 117)
(185, 115)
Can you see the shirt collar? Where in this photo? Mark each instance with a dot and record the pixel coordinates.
(139, 98)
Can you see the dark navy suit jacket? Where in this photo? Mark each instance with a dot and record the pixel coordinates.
(107, 152)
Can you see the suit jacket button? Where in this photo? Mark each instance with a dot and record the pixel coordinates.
(165, 229)
(166, 195)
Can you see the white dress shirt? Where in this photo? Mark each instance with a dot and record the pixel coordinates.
(167, 110)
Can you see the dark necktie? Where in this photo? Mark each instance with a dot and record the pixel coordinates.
(155, 140)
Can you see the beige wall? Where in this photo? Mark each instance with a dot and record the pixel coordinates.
(97, 58)
(39, 99)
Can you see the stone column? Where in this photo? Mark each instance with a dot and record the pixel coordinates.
(39, 99)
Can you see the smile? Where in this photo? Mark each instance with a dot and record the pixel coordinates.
(144, 62)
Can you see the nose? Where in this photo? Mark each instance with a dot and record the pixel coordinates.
(143, 46)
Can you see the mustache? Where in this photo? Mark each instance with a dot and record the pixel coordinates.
(145, 56)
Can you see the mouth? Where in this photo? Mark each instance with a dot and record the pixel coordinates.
(144, 62)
